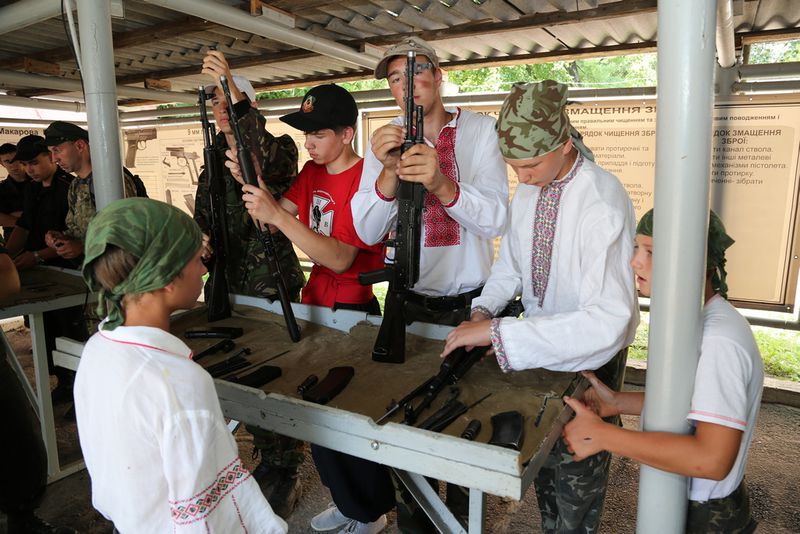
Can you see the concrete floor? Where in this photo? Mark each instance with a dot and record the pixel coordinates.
(773, 476)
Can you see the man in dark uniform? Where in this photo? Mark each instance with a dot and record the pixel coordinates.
(247, 270)
(45, 209)
(69, 145)
(12, 189)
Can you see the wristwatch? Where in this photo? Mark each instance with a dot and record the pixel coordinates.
(39, 259)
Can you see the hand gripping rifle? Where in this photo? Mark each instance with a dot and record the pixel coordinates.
(219, 301)
(249, 173)
(404, 272)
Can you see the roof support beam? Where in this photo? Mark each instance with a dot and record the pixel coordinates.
(164, 30)
(12, 79)
(23, 14)
(242, 21)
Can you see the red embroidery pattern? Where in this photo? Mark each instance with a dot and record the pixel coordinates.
(544, 230)
(200, 506)
(441, 230)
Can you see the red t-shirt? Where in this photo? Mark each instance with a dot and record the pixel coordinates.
(323, 202)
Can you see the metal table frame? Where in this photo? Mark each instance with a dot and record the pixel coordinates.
(40, 399)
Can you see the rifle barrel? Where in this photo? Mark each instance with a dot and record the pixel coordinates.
(249, 175)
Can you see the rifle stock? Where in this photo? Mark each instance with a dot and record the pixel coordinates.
(219, 301)
(249, 173)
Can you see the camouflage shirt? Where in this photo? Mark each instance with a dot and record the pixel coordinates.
(82, 205)
(246, 266)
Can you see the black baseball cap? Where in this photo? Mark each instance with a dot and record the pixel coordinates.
(324, 106)
(29, 147)
(61, 132)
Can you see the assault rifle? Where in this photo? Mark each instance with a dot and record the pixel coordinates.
(219, 301)
(403, 273)
(249, 174)
(452, 369)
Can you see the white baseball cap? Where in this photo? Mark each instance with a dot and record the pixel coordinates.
(241, 82)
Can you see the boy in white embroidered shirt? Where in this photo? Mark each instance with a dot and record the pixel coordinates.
(155, 443)
(723, 412)
(566, 252)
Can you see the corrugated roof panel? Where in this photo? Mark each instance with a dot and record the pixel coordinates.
(412, 16)
(449, 24)
(500, 10)
(445, 15)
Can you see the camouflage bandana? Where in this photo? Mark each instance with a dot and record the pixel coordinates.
(161, 236)
(718, 242)
(533, 121)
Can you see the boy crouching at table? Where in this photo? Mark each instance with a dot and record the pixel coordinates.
(160, 456)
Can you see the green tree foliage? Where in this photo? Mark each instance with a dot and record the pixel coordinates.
(616, 71)
(777, 52)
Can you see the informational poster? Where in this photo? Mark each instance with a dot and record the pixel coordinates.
(753, 173)
(169, 159)
(754, 182)
(12, 134)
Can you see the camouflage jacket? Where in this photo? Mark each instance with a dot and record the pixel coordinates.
(82, 205)
(246, 266)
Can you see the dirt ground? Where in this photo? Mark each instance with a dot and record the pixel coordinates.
(773, 476)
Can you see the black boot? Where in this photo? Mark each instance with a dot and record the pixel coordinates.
(284, 490)
(31, 524)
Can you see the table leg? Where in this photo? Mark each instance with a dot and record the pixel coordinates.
(477, 511)
(45, 402)
(442, 518)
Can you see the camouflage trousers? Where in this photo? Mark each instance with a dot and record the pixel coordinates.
(277, 450)
(728, 515)
(571, 493)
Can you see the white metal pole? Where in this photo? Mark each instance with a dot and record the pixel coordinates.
(100, 90)
(683, 155)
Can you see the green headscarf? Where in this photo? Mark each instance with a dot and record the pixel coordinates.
(162, 237)
(718, 242)
(533, 121)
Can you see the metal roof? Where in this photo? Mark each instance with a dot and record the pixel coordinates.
(168, 43)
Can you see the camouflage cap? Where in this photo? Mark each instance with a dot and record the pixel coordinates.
(412, 44)
(533, 120)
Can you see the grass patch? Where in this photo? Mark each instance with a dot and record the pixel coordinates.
(780, 349)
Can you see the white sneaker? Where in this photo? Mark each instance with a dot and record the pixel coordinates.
(356, 527)
(329, 519)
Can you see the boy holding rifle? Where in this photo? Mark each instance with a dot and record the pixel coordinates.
(465, 204)
(321, 199)
(246, 266)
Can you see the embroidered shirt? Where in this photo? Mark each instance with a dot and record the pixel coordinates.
(589, 311)
(480, 208)
(156, 446)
